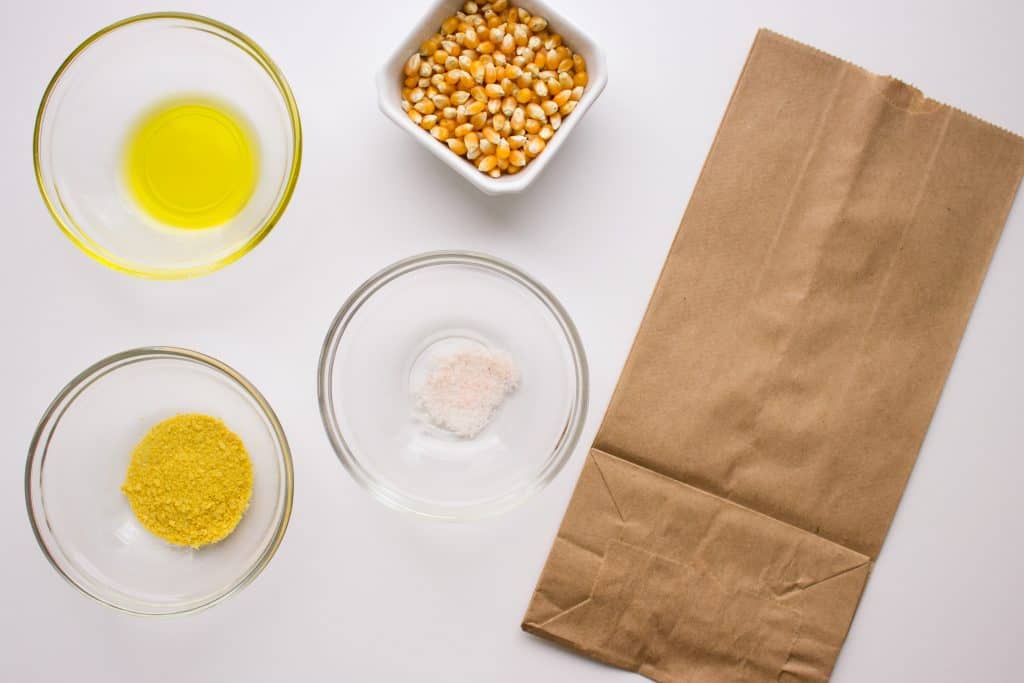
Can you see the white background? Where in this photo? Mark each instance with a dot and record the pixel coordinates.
(358, 592)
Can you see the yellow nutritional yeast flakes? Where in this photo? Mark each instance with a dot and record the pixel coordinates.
(191, 164)
(189, 480)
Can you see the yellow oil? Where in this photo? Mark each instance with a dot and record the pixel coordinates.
(191, 163)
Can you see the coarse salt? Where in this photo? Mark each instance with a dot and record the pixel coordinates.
(463, 390)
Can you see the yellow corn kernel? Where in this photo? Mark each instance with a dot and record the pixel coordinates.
(471, 41)
(537, 24)
(499, 5)
(577, 92)
(410, 82)
(460, 114)
(581, 79)
(449, 25)
(517, 158)
(486, 146)
(479, 120)
(428, 122)
(568, 107)
(472, 140)
(439, 56)
(415, 116)
(540, 88)
(532, 126)
(502, 163)
(447, 124)
(461, 97)
(424, 107)
(458, 146)
(546, 132)
(441, 101)
(540, 60)
(488, 163)
(534, 146)
(439, 133)
(494, 173)
(517, 142)
(553, 41)
(549, 107)
(430, 45)
(499, 121)
(561, 98)
(477, 71)
(524, 95)
(475, 107)
(485, 48)
(470, 7)
(555, 121)
(490, 73)
(508, 44)
(534, 111)
(508, 105)
(449, 113)
(416, 94)
(503, 150)
(553, 59)
(478, 95)
(463, 130)
(412, 65)
(493, 106)
(451, 47)
(491, 135)
(473, 154)
(565, 65)
(518, 119)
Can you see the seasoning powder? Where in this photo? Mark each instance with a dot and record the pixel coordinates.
(190, 480)
(464, 390)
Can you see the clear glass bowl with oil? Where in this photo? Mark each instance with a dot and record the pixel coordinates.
(167, 145)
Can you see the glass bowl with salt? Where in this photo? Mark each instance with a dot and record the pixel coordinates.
(452, 385)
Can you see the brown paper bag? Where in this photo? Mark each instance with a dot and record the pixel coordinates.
(783, 378)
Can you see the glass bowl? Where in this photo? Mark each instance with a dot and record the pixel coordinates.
(79, 457)
(385, 338)
(97, 98)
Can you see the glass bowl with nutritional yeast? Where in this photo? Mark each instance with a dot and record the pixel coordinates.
(167, 145)
(81, 461)
(453, 386)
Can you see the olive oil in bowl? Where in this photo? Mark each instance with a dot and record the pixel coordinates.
(191, 163)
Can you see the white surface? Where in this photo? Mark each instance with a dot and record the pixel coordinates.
(359, 592)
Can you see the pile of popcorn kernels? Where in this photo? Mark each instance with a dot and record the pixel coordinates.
(494, 84)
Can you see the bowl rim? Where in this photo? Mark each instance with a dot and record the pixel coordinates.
(66, 397)
(562, 450)
(389, 91)
(111, 261)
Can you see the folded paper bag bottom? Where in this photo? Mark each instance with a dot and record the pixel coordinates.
(782, 381)
(646, 575)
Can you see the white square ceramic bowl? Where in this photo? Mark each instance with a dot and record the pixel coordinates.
(389, 92)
